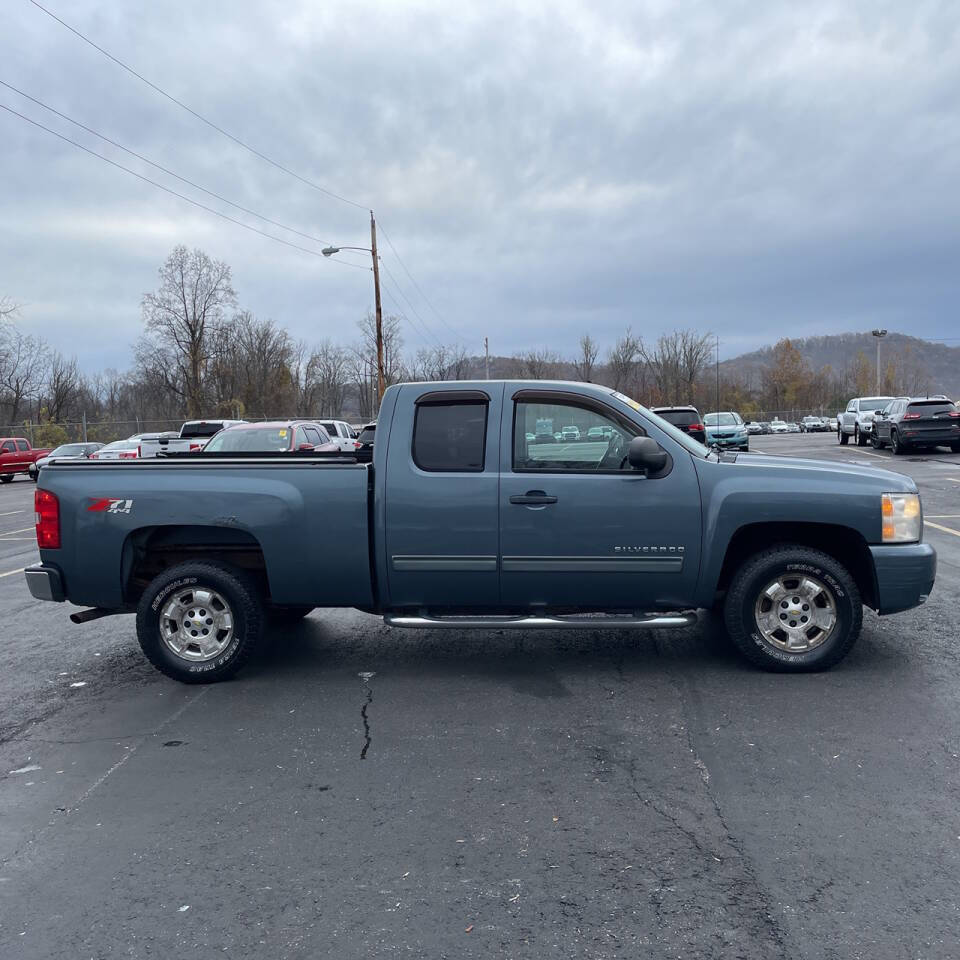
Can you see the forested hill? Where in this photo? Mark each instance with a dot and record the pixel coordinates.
(922, 365)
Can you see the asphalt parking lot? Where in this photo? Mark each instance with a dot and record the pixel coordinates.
(362, 792)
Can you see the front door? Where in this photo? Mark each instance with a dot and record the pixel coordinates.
(441, 506)
(579, 527)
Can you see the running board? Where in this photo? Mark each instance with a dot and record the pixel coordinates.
(607, 622)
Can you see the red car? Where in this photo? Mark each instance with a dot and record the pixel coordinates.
(276, 436)
(16, 455)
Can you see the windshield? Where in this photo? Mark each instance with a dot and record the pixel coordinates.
(251, 440)
(675, 433)
(69, 450)
(722, 420)
(121, 445)
(679, 417)
(874, 403)
(200, 428)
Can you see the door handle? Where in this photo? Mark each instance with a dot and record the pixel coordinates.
(533, 498)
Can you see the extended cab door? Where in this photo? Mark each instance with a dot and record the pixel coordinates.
(578, 526)
(440, 515)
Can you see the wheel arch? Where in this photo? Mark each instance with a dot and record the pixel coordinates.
(148, 551)
(844, 544)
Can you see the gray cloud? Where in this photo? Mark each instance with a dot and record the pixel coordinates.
(544, 169)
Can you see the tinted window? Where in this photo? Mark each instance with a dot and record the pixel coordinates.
(450, 436)
(603, 443)
(314, 436)
(366, 435)
(930, 408)
(679, 417)
(329, 426)
(23, 445)
(201, 428)
(8, 447)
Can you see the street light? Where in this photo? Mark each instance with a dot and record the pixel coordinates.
(879, 334)
(372, 250)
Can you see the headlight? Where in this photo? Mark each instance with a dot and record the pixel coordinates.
(902, 517)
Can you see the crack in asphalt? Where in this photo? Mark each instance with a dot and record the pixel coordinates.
(366, 724)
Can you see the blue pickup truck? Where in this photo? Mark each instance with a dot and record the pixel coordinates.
(488, 504)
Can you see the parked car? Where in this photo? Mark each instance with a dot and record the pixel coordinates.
(812, 425)
(754, 427)
(118, 450)
(73, 451)
(908, 423)
(765, 427)
(687, 419)
(570, 434)
(779, 426)
(726, 429)
(793, 427)
(364, 442)
(148, 443)
(16, 456)
(857, 420)
(831, 424)
(458, 513)
(192, 436)
(274, 436)
(341, 433)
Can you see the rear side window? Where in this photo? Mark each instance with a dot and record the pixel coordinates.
(329, 426)
(23, 445)
(450, 437)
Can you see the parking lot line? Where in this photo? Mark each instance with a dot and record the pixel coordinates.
(9, 533)
(943, 516)
(10, 513)
(938, 526)
(10, 573)
(954, 479)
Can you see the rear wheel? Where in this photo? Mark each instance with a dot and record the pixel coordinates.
(6, 478)
(842, 437)
(896, 445)
(793, 609)
(199, 622)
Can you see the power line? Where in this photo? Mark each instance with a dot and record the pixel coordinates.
(163, 169)
(407, 301)
(439, 315)
(194, 113)
(160, 186)
(422, 331)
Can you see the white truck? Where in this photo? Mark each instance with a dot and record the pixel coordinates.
(193, 436)
(341, 433)
(857, 420)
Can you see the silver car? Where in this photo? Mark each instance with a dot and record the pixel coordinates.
(66, 451)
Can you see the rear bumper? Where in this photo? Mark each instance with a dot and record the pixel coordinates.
(45, 583)
(904, 574)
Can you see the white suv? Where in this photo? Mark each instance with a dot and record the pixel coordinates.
(857, 420)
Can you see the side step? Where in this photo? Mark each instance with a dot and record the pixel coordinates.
(604, 622)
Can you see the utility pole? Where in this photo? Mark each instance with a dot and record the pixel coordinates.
(486, 355)
(879, 334)
(381, 376)
(718, 372)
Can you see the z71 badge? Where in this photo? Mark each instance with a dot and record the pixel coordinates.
(110, 505)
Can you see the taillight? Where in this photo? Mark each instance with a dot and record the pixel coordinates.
(196, 446)
(47, 509)
(696, 426)
(911, 416)
(954, 413)
(357, 444)
(127, 455)
(93, 456)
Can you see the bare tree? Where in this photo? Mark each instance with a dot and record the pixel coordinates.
(64, 384)
(181, 318)
(622, 363)
(676, 363)
(324, 382)
(586, 361)
(8, 308)
(23, 366)
(540, 364)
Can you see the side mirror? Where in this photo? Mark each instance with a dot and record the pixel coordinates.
(305, 447)
(878, 413)
(644, 453)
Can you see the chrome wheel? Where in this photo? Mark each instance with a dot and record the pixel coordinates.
(196, 624)
(796, 613)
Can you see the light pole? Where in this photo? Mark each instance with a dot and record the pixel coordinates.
(372, 250)
(879, 334)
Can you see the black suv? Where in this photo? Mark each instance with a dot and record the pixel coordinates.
(687, 419)
(917, 422)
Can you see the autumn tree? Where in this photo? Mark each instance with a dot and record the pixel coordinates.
(181, 319)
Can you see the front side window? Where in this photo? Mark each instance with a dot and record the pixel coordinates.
(8, 447)
(23, 446)
(542, 439)
(450, 437)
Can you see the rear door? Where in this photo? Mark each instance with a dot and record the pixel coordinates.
(441, 498)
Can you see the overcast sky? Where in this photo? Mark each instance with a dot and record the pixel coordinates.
(544, 170)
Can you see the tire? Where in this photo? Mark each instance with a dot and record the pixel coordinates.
(285, 616)
(6, 478)
(875, 441)
(858, 437)
(842, 437)
(896, 447)
(231, 588)
(955, 447)
(791, 562)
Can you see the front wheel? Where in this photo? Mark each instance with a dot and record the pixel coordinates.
(859, 438)
(6, 478)
(199, 622)
(842, 437)
(793, 609)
